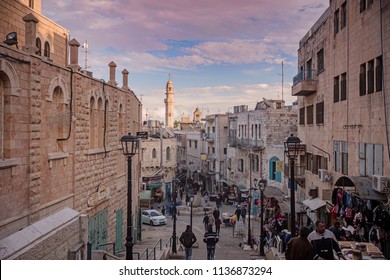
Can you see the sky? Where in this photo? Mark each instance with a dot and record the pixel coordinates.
(218, 53)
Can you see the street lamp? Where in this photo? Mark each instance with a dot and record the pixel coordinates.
(292, 147)
(191, 201)
(174, 196)
(130, 145)
(262, 186)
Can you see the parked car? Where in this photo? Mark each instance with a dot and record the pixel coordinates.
(153, 217)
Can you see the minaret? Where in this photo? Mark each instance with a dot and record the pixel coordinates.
(169, 102)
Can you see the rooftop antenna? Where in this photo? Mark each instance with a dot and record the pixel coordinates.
(85, 47)
(282, 81)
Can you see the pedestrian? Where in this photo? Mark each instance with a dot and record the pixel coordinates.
(210, 238)
(163, 210)
(216, 213)
(324, 242)
(188, 239)
(300, 248)
(206, 199)
(238, 213)
(218, 223)
(206, 221)
(338, 232)
(243, 214)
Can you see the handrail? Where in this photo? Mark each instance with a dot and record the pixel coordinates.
(153, 250)
(106, 244)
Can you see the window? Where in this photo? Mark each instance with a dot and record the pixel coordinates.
(168, 153)
(378, 74)
(309, 115)
(189, 143)
(241, 165)
(38, 45)
(370, 159)
(362, 80)
(302, 116)
(224, 151)
(370, 77)
(336, 93)
(92, 116)
(362, 5)
(343, 87)
(154, 153)
(100, 123)
(340, 153)
(320, 113)
(336, 22)
(320, 61)
(309, 69)
(31, 4)
(343, 15)
(196, 144)
(47, 50)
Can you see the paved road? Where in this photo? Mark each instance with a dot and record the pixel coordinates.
(228, 248)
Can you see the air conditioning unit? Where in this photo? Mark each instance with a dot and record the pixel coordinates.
(323, 174)
(380, 184)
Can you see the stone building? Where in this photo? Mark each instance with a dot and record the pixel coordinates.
(257, 137)
(343, 98)
(60, 135)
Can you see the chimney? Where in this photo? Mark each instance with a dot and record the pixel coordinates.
(125, 75)
(30, 23)
(112, 73)
(74, 55)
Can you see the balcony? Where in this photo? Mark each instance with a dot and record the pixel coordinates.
(254, 144)
(210, 137)
(305, 83)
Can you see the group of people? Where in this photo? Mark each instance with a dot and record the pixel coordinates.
(211, 238)
(320, 244)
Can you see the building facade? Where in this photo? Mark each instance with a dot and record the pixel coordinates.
(61, 128)
(343, 98)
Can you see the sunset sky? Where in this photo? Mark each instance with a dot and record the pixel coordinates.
(220, 53)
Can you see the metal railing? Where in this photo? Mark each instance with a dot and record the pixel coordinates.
(307, 75)
(147, 254)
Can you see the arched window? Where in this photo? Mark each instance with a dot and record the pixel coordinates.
(100, 124)
(92, 123)
(5, 100)
(47, 50)
(168, 153)
(58, 114)
(38, 44)
(120, 121)
(154, 153)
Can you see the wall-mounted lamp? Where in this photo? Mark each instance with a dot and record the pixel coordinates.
(11, 39)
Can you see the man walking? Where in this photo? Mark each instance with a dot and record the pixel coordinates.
(188, 239)
(210, 238)
(300, 248)
(324, 242)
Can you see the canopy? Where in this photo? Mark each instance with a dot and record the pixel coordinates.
(314, 203)
(361, 186)
(274, 192)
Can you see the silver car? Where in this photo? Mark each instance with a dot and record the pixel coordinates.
(153, 217)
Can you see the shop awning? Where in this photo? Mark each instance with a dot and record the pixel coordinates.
(227, 182)
(274, 192)
(242, 188)
(154, 185)
(314, 203)
(361, 186)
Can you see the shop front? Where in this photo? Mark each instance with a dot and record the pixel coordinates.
(359, 208)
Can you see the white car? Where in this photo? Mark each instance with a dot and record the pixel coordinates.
(153, 217)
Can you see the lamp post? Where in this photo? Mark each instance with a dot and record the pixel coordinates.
(262, 186)
(191, 201)
(292, 147)
(174, 196)
(130, 145)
